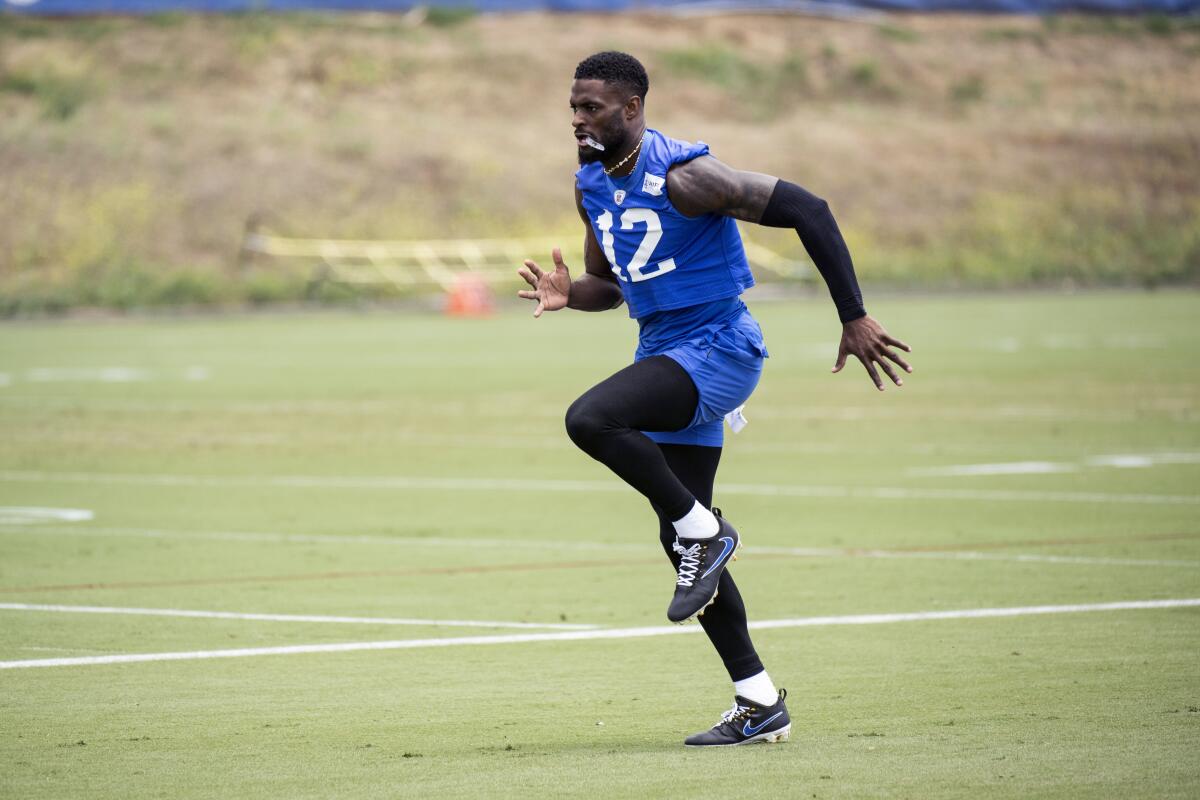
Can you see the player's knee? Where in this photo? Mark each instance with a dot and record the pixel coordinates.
(584, 425)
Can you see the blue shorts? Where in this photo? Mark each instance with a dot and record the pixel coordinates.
(725, 363)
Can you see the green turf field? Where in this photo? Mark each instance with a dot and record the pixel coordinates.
(413, 469)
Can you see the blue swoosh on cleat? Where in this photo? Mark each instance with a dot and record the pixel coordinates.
(748, 731)
(720, 559)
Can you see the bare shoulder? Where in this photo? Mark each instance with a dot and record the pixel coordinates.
(700, 186)
(706, 185)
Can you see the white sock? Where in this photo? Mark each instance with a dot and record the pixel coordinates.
(758, 689)
(699, 523)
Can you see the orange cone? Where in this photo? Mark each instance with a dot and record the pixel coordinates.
(470, 297)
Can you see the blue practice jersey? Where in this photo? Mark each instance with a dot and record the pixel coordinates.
(663, 260)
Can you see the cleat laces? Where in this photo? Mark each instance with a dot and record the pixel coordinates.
(689, 562)
(734, 714)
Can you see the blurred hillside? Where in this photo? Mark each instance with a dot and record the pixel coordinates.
(982, 151)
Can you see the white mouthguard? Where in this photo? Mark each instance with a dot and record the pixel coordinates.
(590, 142)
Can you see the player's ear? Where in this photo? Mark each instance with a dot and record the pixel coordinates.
(633, 107)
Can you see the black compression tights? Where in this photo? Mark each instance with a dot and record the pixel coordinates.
(606, 422)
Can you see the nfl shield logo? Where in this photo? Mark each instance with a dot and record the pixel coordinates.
(619, 196)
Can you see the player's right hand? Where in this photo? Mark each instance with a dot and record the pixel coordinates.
(550, 289)
(865, 339)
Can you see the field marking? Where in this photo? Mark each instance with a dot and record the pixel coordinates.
(1003, 468)
(990, 495)
(612, 633)
(546, 566)
(537, 566)
(424, 439)
(318, 538)
(1044, 559)
(947, 552)
(62, 649)
(559, 544)
(178, 612)
(1169, 536)
(1177, 409)
(34, 515)
(970, 555)
(86, 375)
(1183, 412)
(66, 435)
(1140, 460)
(104, 375)
(540, 485)
(1116, 461)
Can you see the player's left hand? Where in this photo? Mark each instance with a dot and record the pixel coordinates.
(865, 339)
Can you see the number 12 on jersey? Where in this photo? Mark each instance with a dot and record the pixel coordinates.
(629, 218)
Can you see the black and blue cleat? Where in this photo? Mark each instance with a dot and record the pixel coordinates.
(747, 723)
(701, 562)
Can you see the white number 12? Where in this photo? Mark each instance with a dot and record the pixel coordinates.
(629, 218)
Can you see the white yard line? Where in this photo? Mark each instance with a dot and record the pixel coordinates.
(178, 612)
(996, 495)
(86, 375)
(1115, 461)
(615, 633)
(647, 547)
(306, 538)
(1004, 468)
(105, 375)
(391, 483)
(1180, 409)
(541, 485)
(62, 649)
(1184, 412)
(36, 515)
(970, 555)
(87, 436)
(1046, 559)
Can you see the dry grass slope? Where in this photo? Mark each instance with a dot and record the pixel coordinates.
(956, 151)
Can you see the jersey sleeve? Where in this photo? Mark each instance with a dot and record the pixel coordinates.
(680, 151)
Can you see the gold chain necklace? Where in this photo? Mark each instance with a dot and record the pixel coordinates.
(621, 163)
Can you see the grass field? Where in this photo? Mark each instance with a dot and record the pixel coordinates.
(413, 469)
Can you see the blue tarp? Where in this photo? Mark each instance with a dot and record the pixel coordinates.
(78, 7)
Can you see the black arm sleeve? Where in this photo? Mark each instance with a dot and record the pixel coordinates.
(792, 207)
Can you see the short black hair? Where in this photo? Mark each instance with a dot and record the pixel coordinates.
(620, 69)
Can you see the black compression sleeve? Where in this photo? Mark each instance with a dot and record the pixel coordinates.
(791, 206)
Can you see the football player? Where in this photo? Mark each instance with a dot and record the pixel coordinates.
(661, 238)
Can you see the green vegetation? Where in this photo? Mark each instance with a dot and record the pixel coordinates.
(448, 16)
(865, 74)
(971, 89)
(1123, 25)
(898, 33)
(761, 91)
(17, 26)
(975, 151)
(413, 466)
(60, 96)
(1014, 34)
(1005, 241)
(720, 65)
